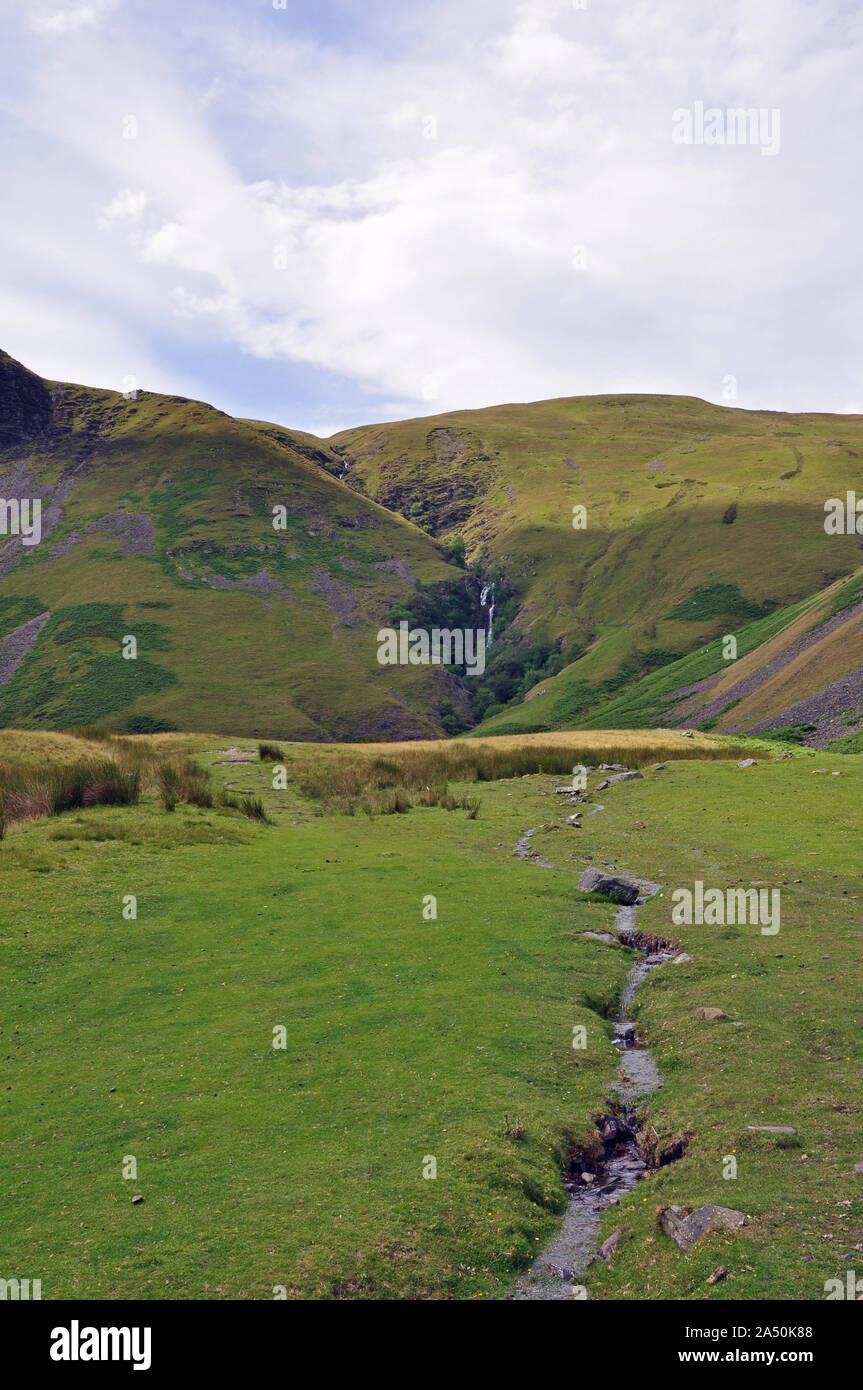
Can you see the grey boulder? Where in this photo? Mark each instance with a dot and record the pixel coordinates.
(685, 1229)
(617, 889)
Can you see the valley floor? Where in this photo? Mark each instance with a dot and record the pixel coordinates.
(418, 1045)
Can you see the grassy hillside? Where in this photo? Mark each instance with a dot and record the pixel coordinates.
(408, 1037)
(796, 674)
(157, 523)
(699, 520)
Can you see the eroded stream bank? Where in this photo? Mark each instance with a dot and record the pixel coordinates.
(598, 1181)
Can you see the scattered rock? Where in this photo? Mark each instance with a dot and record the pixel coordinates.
(720, 1272)
(601, 786)
(686, 733)
(600, 936)
(781, 757)
(660, 767)
(773, 1129)
(858, 1167)
(747, 762)
(710, 1015)
(617, 889)
(625, 777)
(136, 1201)
(682, 958)
(608, 1246)
(685, 1229)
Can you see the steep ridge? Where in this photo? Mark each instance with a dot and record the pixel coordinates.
(616, 539)
(157, 522)
(698, 519)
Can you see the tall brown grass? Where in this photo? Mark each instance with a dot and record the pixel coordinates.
(28, 793)
(31, 791)
(345, 780)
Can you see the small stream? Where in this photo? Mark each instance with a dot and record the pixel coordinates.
(593, 1188)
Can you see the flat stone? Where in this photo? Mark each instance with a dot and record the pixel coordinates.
(685, 1229)
(681, 959)
(773, 1129)
(617, 889)
(625, 777)
(610, 1244)
(747, 762)
(710, 1015)
(858, 1167)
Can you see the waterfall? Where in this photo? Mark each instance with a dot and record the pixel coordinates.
(486, 601)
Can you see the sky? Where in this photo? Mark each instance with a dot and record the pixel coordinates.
(343, 211)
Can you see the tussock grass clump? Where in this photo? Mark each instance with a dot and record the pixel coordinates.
(253, 807)
(28, 793)
(349, 781)
(270, 753)
(181, 779)
(91, 732)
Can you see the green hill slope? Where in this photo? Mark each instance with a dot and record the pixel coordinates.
(620, 535)
(157, 522)
(698, 520)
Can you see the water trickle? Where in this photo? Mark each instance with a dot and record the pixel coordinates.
(486, 599)
(592, 1189)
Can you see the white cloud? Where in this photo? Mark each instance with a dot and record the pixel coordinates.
(68, 17)
(127, 207)
(285, 198)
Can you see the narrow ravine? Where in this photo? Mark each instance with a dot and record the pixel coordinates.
(594, 1184)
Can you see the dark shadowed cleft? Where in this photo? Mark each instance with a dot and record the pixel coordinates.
(25, 403)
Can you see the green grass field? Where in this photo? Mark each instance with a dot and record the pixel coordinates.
(301, 1168)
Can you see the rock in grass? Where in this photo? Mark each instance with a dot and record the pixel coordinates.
(136, 1201)
(773, 1129)
(681, 959)
(720, 1272)
(617, 889)
(626, 777)
(610, 1244)
(710, 1015)
(685, 1229)
(747, 762)
(858, 1167)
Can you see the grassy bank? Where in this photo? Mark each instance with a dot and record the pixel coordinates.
(410, 1036)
